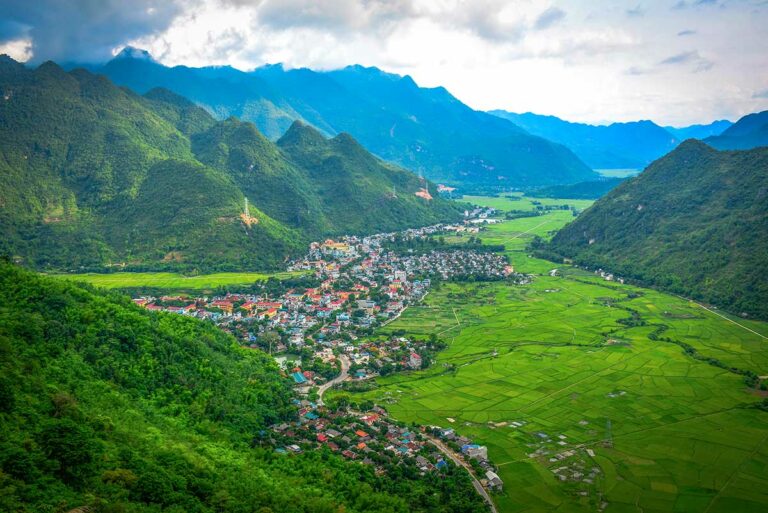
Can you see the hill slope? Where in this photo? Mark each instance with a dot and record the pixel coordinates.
(695, 222)
(93, 174)
(751, 131)
(108, 406)
(425, 130)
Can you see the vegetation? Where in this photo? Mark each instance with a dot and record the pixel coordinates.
(93, 175)
(582, 190)
(693, 223)
(661, 391)
(108, 406)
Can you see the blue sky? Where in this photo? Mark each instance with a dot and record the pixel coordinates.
(676, 62)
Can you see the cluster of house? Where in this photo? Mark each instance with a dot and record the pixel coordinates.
(361, 285)
(472, 451)
(372, 438)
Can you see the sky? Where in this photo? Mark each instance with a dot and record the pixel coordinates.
(675, 62)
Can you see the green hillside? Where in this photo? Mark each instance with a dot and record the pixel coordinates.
(92, 175)
(106, 405)
(695, 222)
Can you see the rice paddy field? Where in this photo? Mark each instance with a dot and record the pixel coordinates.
(591, 395)
(172, 281)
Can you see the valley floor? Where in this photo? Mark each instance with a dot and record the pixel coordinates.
(590, 394)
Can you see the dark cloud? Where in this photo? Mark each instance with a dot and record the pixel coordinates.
(693, 58)
(549, 17)
(637, 11)
(683, 33)
(84, 30)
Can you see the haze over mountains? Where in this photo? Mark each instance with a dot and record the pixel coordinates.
(425, 130)
(93, 174)
(631, 145)
(749, 132)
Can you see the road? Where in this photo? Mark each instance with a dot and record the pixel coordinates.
(460, 461)
(335, 381)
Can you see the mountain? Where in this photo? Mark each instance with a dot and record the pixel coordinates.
(699, 131)
(582, 190)
(426, 130)
(92, 175)
(616, 146)
(749, 132)
(107, 407)
(631, 145)
(695, 222)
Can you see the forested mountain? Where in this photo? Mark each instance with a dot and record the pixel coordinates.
(695, 222)
(631, 145)
(425, 130)
(111, 408)
(751, 131)
(92, 174)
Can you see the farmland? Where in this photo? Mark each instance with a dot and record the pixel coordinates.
(591, 395)
(172, 281)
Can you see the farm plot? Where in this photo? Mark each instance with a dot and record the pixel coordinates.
(584, 391)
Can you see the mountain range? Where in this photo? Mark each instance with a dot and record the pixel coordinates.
(749, 132)
(631, 145)
(93, 174)
(426, 130)
(695, 222)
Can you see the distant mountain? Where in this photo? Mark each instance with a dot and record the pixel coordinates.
(751, 131)
(425, 130)
(699, 131)
(695, 222)
(631, 145)
(92, 174)
(583, 190)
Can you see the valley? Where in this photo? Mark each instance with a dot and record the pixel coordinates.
(573, 373)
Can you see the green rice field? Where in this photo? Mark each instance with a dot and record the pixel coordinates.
(584, 391)
(173, 281)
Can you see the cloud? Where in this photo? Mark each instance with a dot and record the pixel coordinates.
(82, 30)
(637, 11)
(761, 94)
(549, 18)
(684, 33)
(690, 57)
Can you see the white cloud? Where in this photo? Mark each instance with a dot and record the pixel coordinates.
(582, 60)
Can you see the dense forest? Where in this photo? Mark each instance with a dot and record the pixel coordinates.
(695, 222)
(106, 405)
(96, 175)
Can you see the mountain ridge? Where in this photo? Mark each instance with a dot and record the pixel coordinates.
(426, 130)
(94, 174)
(695, 223)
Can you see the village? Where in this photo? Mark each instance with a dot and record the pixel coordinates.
(320, 328)
(345, 289)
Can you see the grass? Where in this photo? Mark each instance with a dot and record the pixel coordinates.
(173, 281)
(648, 426)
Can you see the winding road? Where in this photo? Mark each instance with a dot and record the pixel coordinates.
(459, 461)
(335, 381)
